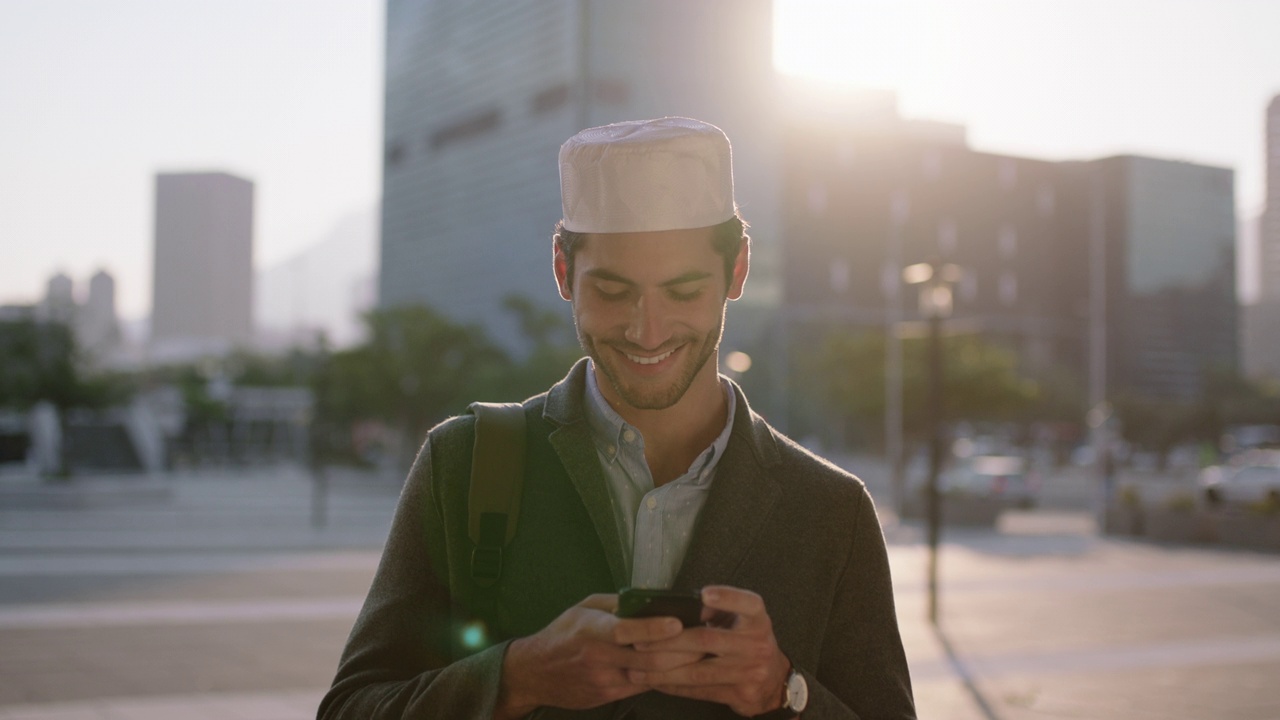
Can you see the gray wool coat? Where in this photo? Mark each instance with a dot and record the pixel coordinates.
(779, 521)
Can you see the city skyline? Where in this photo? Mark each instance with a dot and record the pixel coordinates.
(289, 94)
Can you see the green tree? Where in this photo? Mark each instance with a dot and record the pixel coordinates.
(416, 368)
(553, 348)
(982, 383)
(40, 361)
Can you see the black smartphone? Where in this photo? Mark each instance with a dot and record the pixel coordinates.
(683, 605)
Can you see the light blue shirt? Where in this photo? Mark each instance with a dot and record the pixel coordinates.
(654, 524)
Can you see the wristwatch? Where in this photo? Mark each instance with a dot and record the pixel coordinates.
(795, 701)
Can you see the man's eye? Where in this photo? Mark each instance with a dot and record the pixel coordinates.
(685, 296)
(610, 293)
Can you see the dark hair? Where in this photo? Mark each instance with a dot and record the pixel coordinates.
(727, 239)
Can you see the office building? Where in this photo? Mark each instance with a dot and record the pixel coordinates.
(202, 291)
(1171, 311)
(1269, 228)
(862, 200)
(97, 327)
(479, 97)
(1261, 319)
(59, 299)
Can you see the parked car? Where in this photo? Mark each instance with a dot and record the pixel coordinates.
(1003, 477)
(1227, 485)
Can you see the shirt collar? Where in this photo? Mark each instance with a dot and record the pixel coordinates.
(605, 422)
(607, 425)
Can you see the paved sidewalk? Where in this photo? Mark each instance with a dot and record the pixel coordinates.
(221, 600)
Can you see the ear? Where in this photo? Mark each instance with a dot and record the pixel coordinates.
(560, 266)
(740, 268)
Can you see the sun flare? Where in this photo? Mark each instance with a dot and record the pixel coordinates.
(881, 44)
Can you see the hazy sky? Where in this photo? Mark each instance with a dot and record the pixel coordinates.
(98, 95)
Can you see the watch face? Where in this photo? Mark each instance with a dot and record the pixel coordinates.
(797, 692)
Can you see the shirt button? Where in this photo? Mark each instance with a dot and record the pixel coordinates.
(651, 502)
(612, 449)
(629, 436)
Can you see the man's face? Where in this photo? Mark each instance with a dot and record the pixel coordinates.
(649, 309)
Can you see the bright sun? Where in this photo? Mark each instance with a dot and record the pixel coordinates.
(870, 43)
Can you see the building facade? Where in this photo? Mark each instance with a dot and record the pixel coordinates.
(1269, 227)
(1172, 313)
(1261, 321)
(202, 290)
(862, 200)
(479, 98)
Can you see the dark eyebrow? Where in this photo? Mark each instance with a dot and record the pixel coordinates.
(609, 276)
(688, 277)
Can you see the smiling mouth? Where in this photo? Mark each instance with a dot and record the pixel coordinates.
(649, 360)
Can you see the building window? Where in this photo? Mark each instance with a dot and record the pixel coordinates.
(969, 285)
(1008, 173)
(845, 154)
(1008, 240)
(1008, 289)
(817, 199)
(395, 154)
(839, 276)
(1045, 200)
(931, 165)
(947, 236)
(890, 279)
(550, 99)
(466, 128)
(610, 92)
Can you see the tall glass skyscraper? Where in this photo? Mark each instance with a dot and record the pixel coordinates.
(479, 97)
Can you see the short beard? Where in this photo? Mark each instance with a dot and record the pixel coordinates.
(660, 398)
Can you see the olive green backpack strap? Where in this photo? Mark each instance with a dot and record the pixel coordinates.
(497, 477)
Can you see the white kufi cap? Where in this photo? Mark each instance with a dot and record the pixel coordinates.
(672, 173)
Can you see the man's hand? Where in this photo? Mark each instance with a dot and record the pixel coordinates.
(582, 658)
(742, 666)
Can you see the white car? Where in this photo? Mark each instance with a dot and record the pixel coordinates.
(1000, 477)
(1226, 485)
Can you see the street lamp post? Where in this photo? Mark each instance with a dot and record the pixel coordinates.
(935, 280)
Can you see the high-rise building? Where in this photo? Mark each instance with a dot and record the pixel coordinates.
(97, 327)
(59, 299)
(203, 276)
(1261, 320)
(1172, 313)
(1269, 228)
(479, 98)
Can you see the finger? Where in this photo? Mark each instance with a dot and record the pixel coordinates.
(718, 618)
(631, 631)
(722, 694)
(601, 601)
(704, 640)
(706, 672)
(661, 661)
(732, 599)
(735, 600)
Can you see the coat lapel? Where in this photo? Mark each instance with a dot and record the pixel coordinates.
(572, 442)
(742, 496)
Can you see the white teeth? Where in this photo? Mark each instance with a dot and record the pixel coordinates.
(651, 360)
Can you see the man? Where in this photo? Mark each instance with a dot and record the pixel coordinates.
(643, 467)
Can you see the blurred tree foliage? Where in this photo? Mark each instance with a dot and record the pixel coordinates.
(1227, 399)
(982, 384)
(39, 361)
(418, 367)
(553, 348)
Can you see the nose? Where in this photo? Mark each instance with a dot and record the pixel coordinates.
(645, 327)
